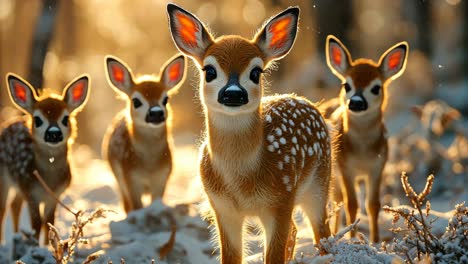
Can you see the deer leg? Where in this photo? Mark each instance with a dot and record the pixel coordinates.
(229, 225)
(35, 216)
(127, 204)
(159, 182)
(277, 225)
(3, 200)
(49, 217)
(314, 206)
(373, 202)
(15, 208)
(337, 199)
(350, 199)
(135, 189)
(291, 244)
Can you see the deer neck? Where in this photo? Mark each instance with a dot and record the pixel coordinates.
(147, 138)
(50, 156)
(234, 139)
(368, 126)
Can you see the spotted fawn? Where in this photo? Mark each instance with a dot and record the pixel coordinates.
(39, 142)
(136, 145)
(362, 148)
(262, 155)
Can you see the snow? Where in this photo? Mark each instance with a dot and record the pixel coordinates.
(138, 237)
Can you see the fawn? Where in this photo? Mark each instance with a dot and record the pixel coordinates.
(136, 144)
(41, 143)
(362, 148)
(261, 156)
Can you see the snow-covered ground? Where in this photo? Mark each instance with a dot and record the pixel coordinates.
(139, 237)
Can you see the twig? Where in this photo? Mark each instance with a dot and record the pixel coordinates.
(169, 245)
(51, 193)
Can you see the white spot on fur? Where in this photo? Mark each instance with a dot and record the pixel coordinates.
(285, 179)
(270, 148)
(294, 140)
(283, 127)
(323, 133)
(309, 131)
(310, 151)
(316, 147)
(302, 125)
(291, 122)
(289, 188)
(275, 144)
(283, 140)
(294, 115)
(280, 165)
(271, 138)
(293, 151)
(278, 131)
(268, 118)
(286, 159)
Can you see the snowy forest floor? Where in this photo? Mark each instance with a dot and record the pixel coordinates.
(138, 237)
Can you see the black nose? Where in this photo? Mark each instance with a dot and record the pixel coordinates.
(233, 96)
(155, 115)
(53, 135)
(357, 103)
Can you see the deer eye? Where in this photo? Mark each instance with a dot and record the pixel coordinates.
(376, 89)
(164, 102)
(210, 73)
(347, 87)
(136, 102)
(65, 120)
(38, 121)
(255, 74)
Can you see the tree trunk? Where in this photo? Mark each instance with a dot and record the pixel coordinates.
(40, 45)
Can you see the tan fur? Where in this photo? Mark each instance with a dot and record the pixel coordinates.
(139, 152)
(362, 148)
(234, 53)
(138, 168)
(262, 158)
(260, 189)
(23, 150)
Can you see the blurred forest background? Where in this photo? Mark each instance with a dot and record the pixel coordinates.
(49, 42)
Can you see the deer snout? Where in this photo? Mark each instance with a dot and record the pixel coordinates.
(233, 95)
(155, 115)
(53, 135)
(357, 103)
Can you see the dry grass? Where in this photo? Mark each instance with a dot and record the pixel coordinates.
(419, 243)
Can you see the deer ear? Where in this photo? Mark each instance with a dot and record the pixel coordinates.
(338, 56)
(277, 36)
(76, 92)
(173, 72)
(119, 74)
(393, 61)
(21, 92)
(188, 32)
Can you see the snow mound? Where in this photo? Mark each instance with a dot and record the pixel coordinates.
(144, 233)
